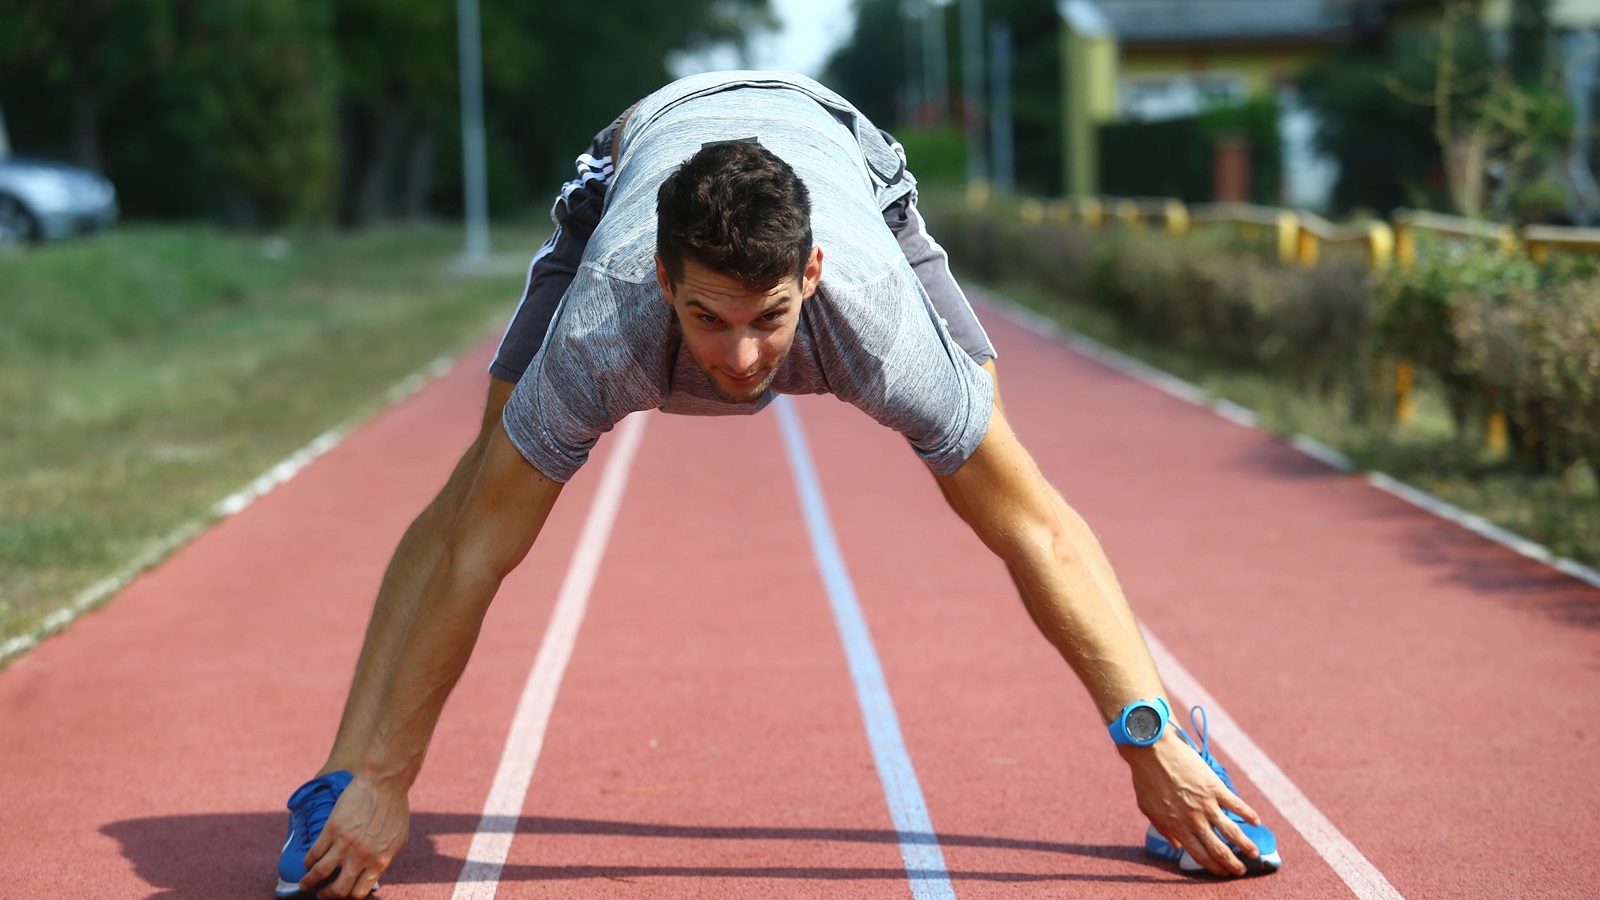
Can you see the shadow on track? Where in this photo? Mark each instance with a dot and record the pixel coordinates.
(1459, 556)
(231, 854)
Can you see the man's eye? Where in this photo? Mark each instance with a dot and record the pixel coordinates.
(772, 317)
(706, 319)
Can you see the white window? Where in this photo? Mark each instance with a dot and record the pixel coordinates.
(1153, 98)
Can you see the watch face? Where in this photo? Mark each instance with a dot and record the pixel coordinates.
(1143, 724)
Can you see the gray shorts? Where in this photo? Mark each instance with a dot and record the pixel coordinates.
(577, 212)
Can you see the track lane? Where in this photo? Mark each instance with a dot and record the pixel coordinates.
(706, 742)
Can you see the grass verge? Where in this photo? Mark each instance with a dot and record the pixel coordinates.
(149, 373)
(1561, 511)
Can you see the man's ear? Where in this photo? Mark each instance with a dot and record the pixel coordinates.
(813, 274)
(662, 279)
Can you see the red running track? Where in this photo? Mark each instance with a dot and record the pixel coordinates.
(1426, 690)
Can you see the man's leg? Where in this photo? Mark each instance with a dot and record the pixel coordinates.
(400, 592)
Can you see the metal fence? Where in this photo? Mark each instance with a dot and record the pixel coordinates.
(1301, 235)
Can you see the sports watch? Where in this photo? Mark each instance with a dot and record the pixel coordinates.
(1141, 722)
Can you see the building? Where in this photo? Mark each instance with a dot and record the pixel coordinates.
(1176, 58)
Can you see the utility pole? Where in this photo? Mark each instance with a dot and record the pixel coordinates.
(972, 89)
(1000, 127)
(910, 10)
(935, 68)
(475, 178)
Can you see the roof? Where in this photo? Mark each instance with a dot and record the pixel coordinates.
(1137, 22)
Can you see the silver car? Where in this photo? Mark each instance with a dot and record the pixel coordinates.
(42, 200)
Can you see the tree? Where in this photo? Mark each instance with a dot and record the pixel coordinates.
(271, 111)
(870, 70)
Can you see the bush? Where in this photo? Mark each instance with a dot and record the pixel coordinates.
(1538, 353)
(1309, 325)
(1497, 331)
(1502, 332)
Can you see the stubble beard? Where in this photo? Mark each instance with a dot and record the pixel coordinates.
(746, 396)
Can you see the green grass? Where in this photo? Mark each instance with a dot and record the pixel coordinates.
(147, 374)
(1561, 511)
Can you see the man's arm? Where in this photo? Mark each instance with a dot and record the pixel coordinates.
(1070, 591)
(502, 514)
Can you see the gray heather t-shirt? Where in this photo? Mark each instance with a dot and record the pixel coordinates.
(868, 335)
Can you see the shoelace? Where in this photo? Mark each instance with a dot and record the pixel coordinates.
(314, 811)
(1204, 728)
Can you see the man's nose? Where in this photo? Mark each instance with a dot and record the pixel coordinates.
(744, 354)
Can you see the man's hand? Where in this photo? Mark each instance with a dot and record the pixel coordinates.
(1185, 800)
(367, 827)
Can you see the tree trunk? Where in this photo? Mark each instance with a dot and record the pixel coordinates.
(419, 173)
(85, 100)
(388, 138)
(351, 138)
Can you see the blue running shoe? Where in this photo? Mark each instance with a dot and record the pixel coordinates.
(308, 812)
(1158, 846)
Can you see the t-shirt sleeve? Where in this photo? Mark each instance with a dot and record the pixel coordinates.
(591, 372)
(889, 355)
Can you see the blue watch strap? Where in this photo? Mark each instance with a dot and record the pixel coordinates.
(1119, 726)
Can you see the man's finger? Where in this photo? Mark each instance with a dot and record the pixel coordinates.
(342, 885)
(1233, 803)
(1218, 859)
(365, 885)
(1236, 836)
(320, 869)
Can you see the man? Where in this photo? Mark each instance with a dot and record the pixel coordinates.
(701, 291)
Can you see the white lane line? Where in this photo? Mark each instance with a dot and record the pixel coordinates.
(480, 875)
(919, 843)
(1362, 876)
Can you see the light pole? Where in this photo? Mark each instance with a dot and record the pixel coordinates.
(1000, 129)
(935, 67)
(972, 89)
(475, 176)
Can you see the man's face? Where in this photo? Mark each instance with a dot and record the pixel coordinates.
(738, 337)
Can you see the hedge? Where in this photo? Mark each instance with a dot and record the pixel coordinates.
(1499, 332)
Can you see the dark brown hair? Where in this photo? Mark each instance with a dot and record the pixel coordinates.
(735, 208)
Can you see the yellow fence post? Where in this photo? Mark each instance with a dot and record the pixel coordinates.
(1405, 246)
(1380, 245)
(1094, 212)
(1288, 237)
(1177, 217)
(1306, 247)
(1405, 378)
(1498, 434)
